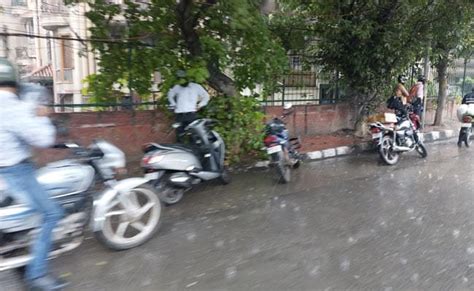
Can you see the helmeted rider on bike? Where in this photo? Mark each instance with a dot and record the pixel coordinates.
(22, 125)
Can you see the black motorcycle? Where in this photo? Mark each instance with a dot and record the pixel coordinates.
(282, 149)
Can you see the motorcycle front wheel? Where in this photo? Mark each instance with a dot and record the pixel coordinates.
(128, 226)
(421, 149)
(225, 177)
(388, 155)
(170, 195)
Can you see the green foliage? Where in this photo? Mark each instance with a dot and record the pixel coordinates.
(368, 42)
(371, 42)
(96, 86)
(230, 35)
(452, 32)
(240, 125)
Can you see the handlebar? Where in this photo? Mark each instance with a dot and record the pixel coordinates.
(81, 152)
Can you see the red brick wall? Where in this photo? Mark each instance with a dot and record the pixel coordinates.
(125, 129)
(449, 112)
(130, 130)
(316, 119)
(324, 119)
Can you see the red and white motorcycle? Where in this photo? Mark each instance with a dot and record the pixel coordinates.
(396, 135)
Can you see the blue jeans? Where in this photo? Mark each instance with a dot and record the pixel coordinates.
(23, 186)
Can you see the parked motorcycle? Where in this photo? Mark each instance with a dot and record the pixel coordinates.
(123, 215)
(173, 169)
(398, 134)
(465, 113)
(282, 149)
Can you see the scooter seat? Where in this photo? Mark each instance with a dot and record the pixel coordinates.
(182, 147)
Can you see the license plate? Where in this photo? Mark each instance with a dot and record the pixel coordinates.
(466, 124)
(152, 176)
(376, 135)
(274, 149)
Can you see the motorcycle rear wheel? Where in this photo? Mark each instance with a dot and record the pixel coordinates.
(145, 202)
(467, 137)
(283, 168)
(386, 152)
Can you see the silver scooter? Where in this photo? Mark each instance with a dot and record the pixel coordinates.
(174, 168)
(122, 215)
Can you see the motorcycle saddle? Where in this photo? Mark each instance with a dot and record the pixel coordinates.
(182, 147)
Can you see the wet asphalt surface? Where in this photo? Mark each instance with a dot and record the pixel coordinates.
(342, 224)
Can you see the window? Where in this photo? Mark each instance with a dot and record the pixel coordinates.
(19, 3)
(67, 53)
(66, 60)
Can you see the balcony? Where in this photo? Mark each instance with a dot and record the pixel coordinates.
(20, 8)
(53, 15)
(53, 22)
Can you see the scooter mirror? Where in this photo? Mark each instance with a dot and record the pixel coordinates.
(176, 125)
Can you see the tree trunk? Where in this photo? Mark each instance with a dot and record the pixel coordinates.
(361, 108)
(442, 67)
(188, 19)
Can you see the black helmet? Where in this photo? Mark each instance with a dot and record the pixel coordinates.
(422, 79)
(402, 79)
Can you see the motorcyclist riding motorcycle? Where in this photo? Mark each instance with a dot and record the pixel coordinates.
(22, 126)
(465, 131)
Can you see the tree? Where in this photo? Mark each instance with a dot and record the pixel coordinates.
(451, 35)
(368, 42)
(227, 41)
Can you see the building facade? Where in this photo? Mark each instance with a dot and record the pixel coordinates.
(62, 61)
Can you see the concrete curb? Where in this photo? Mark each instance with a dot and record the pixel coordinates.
(427, 137)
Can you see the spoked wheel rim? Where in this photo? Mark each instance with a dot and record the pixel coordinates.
(389, 155)
(130, 222)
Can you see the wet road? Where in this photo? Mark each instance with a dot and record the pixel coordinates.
(347, 223)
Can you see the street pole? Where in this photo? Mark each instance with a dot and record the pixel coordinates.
(463, 77)
(39, 58)
(425, 87)
(130, 68)
(5, 42)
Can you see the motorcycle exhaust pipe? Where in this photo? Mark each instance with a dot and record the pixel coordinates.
(401, 149)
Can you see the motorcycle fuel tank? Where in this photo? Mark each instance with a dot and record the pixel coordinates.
(66, 177)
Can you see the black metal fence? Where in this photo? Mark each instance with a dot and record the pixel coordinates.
(304, 88)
